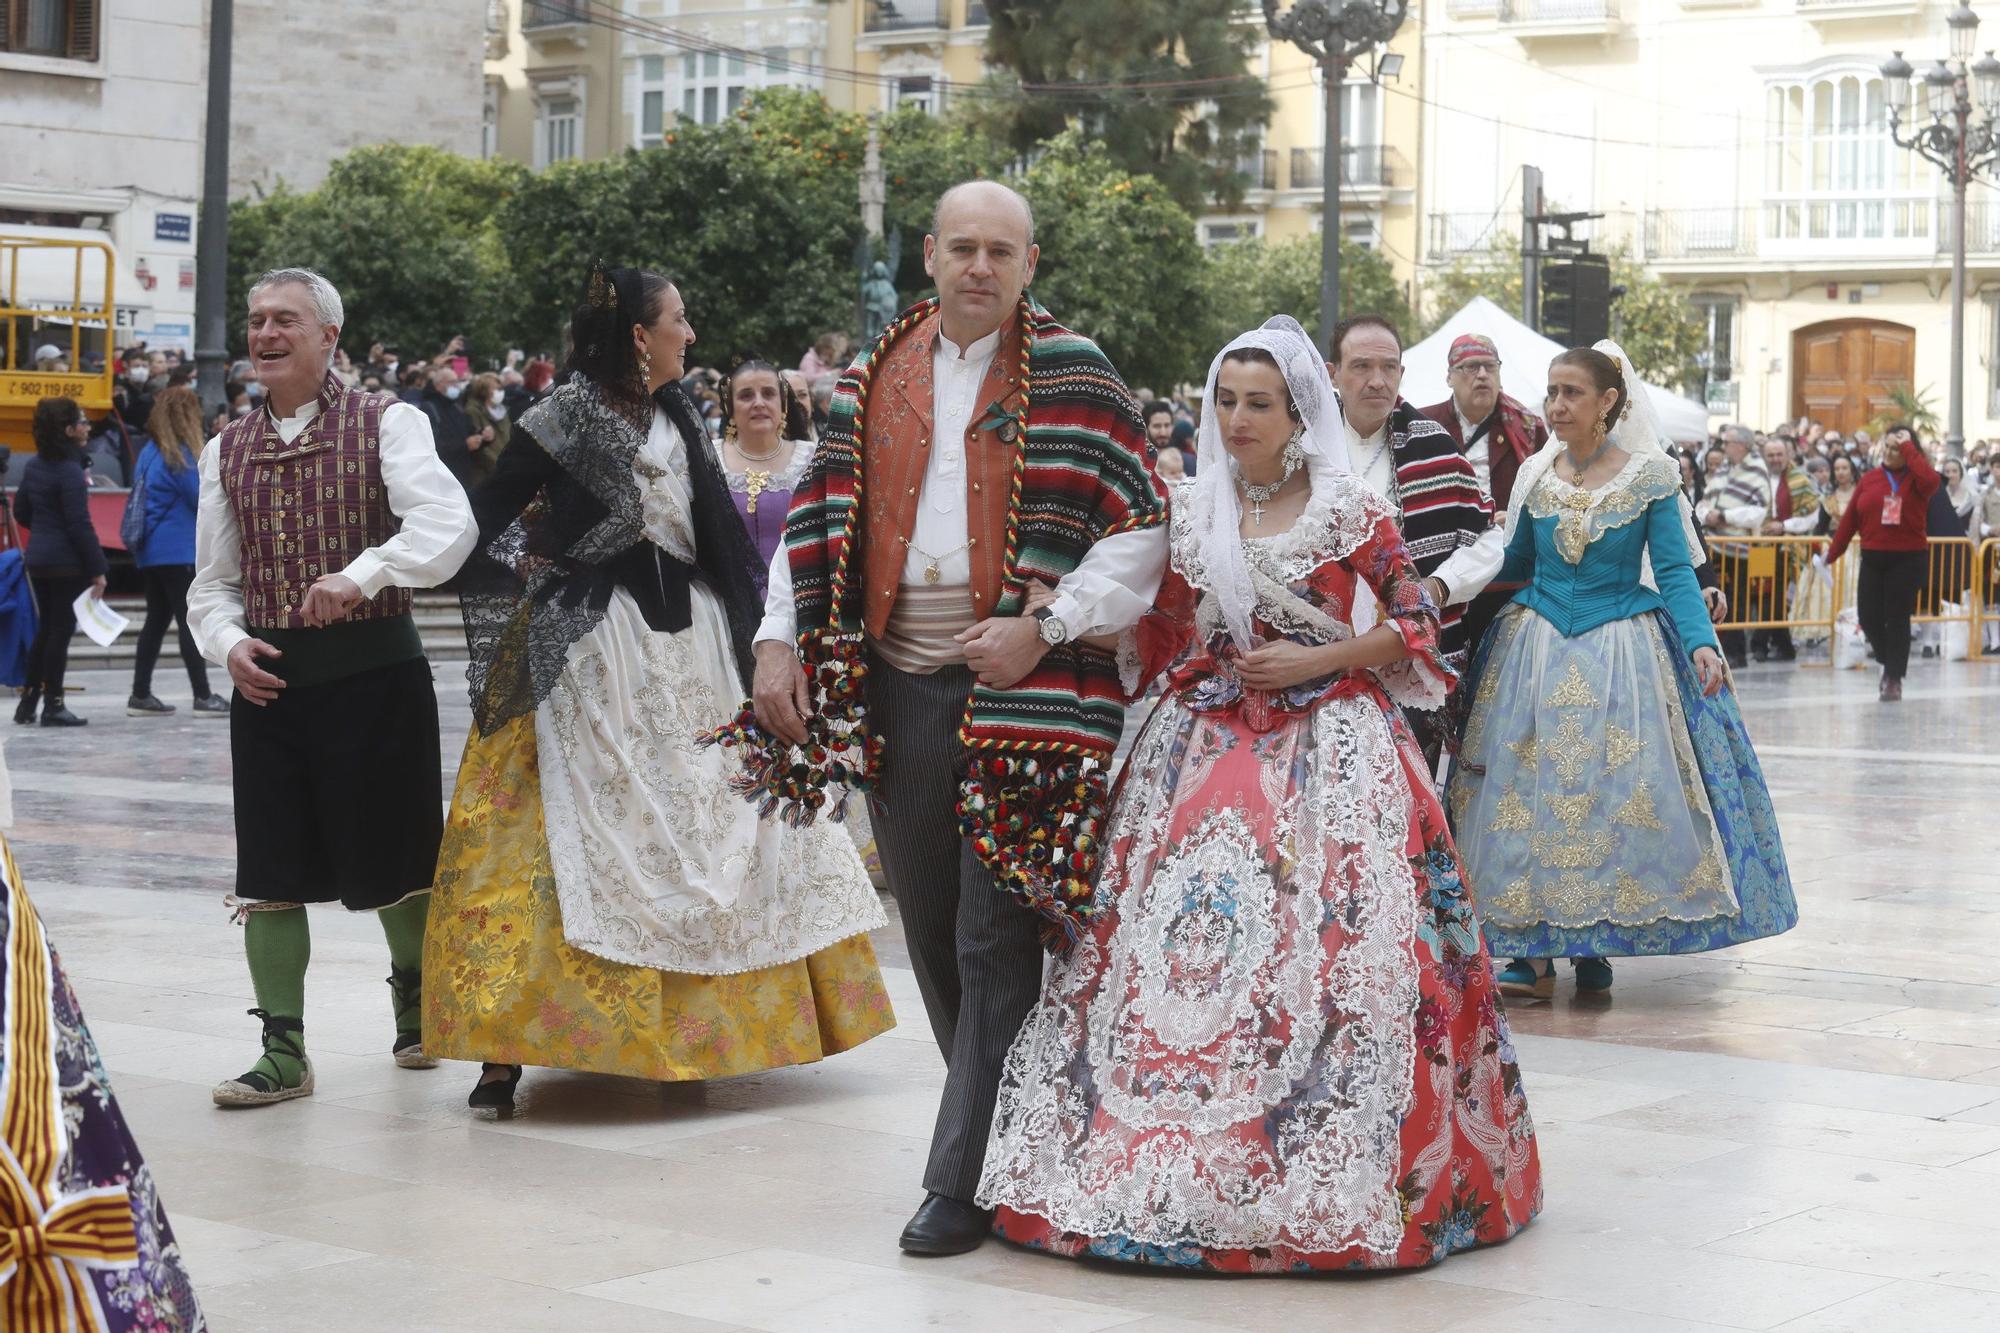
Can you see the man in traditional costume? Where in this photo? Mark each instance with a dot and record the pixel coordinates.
(977, 452)
(1411, 461)
(1496, 435)
(319, 512)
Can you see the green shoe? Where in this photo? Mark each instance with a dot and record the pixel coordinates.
(281, 1074)
(1592, 974)
(1521, 978)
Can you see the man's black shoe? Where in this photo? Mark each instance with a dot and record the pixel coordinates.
(946, 1226)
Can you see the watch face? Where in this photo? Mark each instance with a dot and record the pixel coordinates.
(1052, 630)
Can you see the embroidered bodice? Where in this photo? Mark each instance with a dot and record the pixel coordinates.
(1338, 571)
(1581, 552)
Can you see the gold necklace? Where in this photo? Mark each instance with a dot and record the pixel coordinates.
(749, 457)
(755, 482)
(934, 564)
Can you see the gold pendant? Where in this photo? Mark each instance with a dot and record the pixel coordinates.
(754, 484)
(932, 573)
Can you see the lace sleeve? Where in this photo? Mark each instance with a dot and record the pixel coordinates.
(1421, 680)
(1162, 634)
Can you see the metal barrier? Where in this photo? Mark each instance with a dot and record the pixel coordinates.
(1772, 584)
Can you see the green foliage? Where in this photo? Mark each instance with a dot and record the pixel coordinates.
(1252, 280)
(1657, 325)
(1120, 262)
(404, 231)
(1909, 408)
(1101, 54)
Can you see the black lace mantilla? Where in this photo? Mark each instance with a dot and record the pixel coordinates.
(561, 526)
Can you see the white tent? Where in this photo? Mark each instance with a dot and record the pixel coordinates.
(1524, 364)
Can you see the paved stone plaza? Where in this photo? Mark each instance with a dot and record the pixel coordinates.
(1799, 1134)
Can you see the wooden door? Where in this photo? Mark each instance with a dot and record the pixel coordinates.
(1843, 370)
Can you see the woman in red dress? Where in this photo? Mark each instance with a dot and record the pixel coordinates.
(1279, 1046)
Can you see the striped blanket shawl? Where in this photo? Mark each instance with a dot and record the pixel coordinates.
(1441, 503)
(1035, 797)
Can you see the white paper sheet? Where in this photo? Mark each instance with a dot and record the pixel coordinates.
(98, 620)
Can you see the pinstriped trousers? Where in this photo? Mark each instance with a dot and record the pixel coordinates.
(976, 951)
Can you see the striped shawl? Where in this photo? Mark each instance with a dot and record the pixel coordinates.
(1441, 503)
(1034, 799)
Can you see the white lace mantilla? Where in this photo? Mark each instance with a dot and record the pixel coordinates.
(657, 862)
(1253, 977)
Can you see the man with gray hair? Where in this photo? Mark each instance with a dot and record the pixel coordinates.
(320, 511)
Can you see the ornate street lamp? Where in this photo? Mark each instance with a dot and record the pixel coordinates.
(1961, 147)
(1335, 33)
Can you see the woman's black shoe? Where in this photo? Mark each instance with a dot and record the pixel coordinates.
(55, 715)
(24, 712)
(496, 1094)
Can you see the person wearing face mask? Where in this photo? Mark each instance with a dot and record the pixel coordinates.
(485, 403)
(458, 437)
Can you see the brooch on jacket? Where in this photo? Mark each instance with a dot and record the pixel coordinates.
(1001, 420)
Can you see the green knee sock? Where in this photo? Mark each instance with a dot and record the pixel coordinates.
(278, 945)
(403, 927)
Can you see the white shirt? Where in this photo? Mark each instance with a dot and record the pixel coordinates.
(1106, 593)
(438, 530)
(1476, 453)
(1466, 571)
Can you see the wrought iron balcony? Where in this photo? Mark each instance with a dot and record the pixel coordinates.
(1698, 233)
(903, 15)
(1362, 167)
(1258, 169)
(1859, 227)
(553, 13)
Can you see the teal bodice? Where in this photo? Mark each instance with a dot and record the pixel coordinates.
(1581, 552)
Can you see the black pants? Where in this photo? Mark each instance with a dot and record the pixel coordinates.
(1884, 601)
(48, 655)
(976, 951)
(167, 600)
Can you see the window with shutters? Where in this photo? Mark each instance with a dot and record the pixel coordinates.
(60, 29)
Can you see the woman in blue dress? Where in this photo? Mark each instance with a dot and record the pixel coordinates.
(1607, 800)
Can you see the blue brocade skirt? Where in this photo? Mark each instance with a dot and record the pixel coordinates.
(1602, 806)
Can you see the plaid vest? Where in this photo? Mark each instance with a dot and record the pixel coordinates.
(309, 507)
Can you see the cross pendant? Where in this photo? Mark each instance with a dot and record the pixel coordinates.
(1257, 512)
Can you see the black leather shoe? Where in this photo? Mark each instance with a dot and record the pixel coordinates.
(31, 702)
(55, 715)
(946, 1226)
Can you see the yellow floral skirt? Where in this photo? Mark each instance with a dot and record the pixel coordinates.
(502, 985)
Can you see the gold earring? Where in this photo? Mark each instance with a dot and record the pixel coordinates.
(729, 432)
(1601, 430)
(645, 367)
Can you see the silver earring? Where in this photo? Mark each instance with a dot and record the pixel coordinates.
(1295, 452)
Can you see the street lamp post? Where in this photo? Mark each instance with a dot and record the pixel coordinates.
(1961, 148)
(1333, 33)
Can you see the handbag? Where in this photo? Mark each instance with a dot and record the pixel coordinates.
(132, 523)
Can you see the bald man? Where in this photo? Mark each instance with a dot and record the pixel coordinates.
(914, 595)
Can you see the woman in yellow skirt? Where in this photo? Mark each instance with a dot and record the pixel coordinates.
(604, 901)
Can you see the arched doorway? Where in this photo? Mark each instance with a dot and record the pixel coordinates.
(1843, 370)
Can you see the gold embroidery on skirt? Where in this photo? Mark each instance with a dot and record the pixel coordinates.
(1512, 814)
(1574, 692)
(1573, 810)
(1621, 747)
(1593, 849)
(1638, 811)
(1571, 749)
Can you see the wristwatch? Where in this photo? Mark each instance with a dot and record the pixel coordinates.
(1054, 632)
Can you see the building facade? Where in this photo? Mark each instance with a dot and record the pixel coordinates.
(101, 111)
(311, 81)
(1740, 148)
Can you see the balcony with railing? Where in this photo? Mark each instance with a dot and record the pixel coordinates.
(1836, 228)
(1258, 169)
(899, 16)
(1362, 167)
(1454, 234)
(1833, 11)
(1474, 9)
(539, 16)
(1560, 18)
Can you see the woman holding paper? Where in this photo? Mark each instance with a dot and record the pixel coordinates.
(63, 559)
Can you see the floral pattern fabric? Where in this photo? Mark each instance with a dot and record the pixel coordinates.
(153, 1295)
(501, 984)
(1279, 1046)
(1674, 799)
